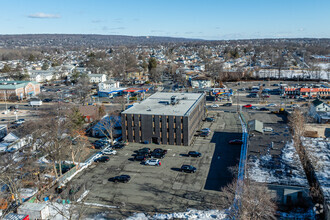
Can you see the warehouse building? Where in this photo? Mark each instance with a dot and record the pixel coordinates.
(164, 118)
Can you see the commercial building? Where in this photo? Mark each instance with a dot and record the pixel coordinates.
(18, 90)
(164, 118)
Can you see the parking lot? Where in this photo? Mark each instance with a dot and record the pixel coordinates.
(163, 188)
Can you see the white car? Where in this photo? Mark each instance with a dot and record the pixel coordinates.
(268, 129)
(272, 105)
(153, 162)
(215, 106)
(109, 152)
(255, 107)
(295, 106)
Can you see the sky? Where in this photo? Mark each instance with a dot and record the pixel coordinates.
(201, 19)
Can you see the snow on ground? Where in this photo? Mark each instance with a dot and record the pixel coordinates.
(319, 149)
(286, 169)
(189, 214)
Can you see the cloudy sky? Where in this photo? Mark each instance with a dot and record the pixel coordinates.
(205, 19)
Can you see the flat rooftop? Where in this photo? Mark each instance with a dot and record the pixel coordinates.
(160, 104)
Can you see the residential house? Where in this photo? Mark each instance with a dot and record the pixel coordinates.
(105, 125)
(320, 111)
(12, 142)
(3, 131)
(42, 75)
(18, 90)
(97, 78)
(90, 112)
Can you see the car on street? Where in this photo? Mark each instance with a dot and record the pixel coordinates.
(153, 162)
(264, 109)
(255, 107)
(109, 152)
(266, 96)
(215, 106)
(140, 158)
(227, 104)
(209, 119)
(247, 106)
(271, 105)
(188, 169)
(294, 106)
(236, 141)
(194, 154)
(102, 159)
(121, 178)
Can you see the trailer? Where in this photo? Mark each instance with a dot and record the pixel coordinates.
(35, 103)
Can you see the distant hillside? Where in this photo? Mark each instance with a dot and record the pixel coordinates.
(82, 40)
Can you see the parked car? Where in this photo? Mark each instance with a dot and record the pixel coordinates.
(264, 109)
(157, 155)
(255, 107)
(109, 152)
(118, 146)
(140, 158)
(236, 141)
(227, 104)
(121, 178)
(204, 134)
(215, 106)
(194, 154)
(153, 162)
(302, 100)
(159, 150)
(144, 150)
(206, 130)
(268, 129)
(209, 119)
(266, 96)
(247, 106)
(102, 159)
(188, 169)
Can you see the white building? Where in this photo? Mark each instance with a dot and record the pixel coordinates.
(320, 111)
(97, 78)
(201, 82)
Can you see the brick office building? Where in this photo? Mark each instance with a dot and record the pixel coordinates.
(164, 118)
(18, 90)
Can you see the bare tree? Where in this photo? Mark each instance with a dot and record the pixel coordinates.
(256, 202)
(107, 125)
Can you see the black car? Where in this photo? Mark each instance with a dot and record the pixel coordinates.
(47, 100)
(144, 150)
(143, 154)
(140, 158)
(264, 109)
(159, 150)
(121, 178)
(204, 134)
(194, 154)
(188, 169)
(102, 159)
(157, 155)
(209, 119)
(227, 104)
(118, 146)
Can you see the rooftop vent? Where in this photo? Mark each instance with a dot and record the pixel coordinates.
(174, 100)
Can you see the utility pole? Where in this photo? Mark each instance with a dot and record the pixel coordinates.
(237, 100)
